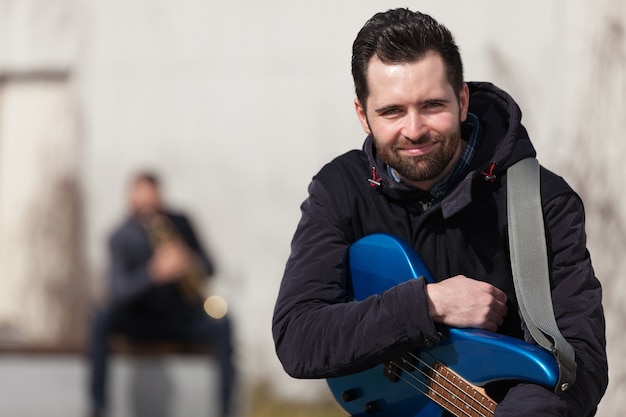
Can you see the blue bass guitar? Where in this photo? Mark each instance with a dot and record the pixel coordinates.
(430, 382)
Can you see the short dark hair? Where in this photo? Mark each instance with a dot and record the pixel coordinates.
(147, 176)
(402, 36)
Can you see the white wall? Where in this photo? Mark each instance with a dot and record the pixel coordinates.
(42, 265)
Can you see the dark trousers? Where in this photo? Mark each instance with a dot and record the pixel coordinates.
(190, 325)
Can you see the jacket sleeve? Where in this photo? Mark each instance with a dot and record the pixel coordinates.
(318, 333)
(128, 271)
(577, 300)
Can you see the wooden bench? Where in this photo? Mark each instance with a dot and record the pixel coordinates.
(126, 346)
(41, 349)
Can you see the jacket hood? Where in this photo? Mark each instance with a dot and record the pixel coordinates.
(504, 141)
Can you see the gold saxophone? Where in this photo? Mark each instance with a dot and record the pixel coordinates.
(161, 230)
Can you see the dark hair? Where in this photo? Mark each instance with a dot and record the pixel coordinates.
(147, 176)
(402, 36)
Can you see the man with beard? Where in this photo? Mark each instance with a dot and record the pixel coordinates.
(432, 172)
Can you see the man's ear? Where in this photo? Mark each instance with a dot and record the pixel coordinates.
(464, 102)
(360, 112)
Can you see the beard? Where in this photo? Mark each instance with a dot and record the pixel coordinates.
(420, 167)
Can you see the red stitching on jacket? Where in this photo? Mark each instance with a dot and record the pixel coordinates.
(490, 176)
(374, 181)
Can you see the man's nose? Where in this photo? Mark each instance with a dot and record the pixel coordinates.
(414, 127)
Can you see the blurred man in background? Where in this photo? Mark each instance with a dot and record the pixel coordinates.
(158, 270)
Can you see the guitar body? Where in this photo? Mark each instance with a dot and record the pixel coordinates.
(404, 387)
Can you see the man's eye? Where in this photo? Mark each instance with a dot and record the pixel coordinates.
(390, 112)
(433, 104)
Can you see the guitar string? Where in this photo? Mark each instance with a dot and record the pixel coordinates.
(441, 396)
(454, 395)
(443, 377)
(443, 399)
(451, 382)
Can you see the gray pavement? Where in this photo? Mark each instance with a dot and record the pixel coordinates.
(55, 386)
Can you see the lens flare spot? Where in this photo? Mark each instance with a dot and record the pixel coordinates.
(215, 306)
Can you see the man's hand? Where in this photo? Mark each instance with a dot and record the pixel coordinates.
(464, 302)
(169, 262)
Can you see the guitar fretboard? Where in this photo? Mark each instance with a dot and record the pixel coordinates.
(456, 395)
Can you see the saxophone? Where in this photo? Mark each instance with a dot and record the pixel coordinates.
(161, 230)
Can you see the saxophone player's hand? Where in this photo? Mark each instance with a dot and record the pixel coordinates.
(169, 262)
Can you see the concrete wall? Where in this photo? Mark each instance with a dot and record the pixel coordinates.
(239, 103)
(42, 261)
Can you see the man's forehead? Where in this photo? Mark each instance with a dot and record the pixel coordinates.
(423, 76)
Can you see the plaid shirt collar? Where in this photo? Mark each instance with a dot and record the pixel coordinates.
(471, 126)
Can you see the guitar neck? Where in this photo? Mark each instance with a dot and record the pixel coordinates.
(456, 395)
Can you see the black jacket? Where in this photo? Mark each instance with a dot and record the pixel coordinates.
(318, 334)
(130, 250)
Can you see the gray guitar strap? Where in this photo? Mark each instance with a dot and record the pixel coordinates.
(529, 262)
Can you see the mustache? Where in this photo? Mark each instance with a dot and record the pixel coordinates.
(426, 138)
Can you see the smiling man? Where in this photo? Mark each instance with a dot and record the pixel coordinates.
(414, 118)
(432, 172)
